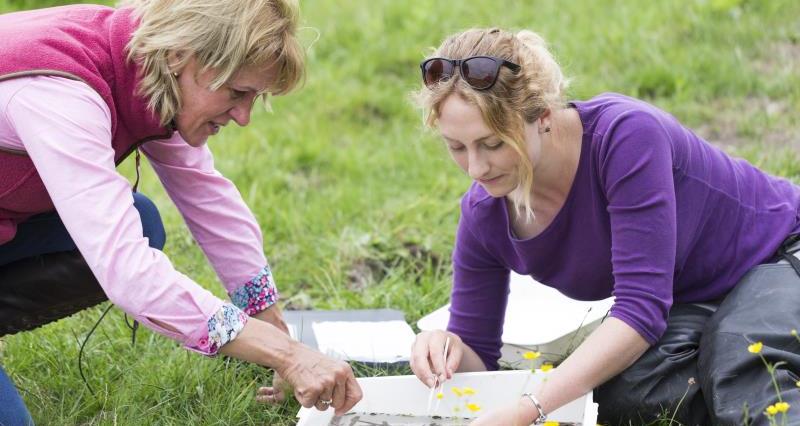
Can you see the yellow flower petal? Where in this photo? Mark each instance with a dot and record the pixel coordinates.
(797, 384)
(755, 347)
(439, 395)
(531, 355)
(468, 391)
(546, 367)
(794, 332)
(457, 391)
(782, 406)
(772, 410)
(473, 407)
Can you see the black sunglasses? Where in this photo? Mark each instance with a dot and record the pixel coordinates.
(480, 72)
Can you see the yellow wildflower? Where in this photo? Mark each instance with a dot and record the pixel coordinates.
(439, 395)
(468, 391)
(473, 407)
(772, 410)
(797, 384)
(782, 406)
(531, 355)
(755, 348)
(794, 332)
(546, 367)
(457, 391)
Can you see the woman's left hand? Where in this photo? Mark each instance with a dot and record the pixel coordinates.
(514, 414)
(276, 393)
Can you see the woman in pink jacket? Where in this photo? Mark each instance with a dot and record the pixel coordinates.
(82, 88)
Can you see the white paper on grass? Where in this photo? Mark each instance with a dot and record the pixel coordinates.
(366, 341)
(535, 314)
(406, 395)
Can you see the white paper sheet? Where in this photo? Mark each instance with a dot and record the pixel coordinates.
(381, 341)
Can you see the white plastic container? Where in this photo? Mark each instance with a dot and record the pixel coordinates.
(538, 318)
(407, 396)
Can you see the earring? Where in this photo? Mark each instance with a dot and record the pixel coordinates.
(175, 75)
(545, 130)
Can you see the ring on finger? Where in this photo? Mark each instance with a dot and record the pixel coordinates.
(326, 401)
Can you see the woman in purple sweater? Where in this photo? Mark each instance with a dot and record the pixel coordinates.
(610, 196)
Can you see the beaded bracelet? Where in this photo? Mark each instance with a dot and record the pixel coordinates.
(542, 416)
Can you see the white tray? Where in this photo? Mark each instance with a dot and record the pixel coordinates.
(407, 396)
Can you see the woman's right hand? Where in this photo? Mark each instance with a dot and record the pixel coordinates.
(317, 380)
(321, 381)
(427, 356)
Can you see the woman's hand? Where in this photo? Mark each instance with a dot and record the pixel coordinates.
(427, 356)
(317, 380)
(521, 413)
(276, 393)
(320, 381)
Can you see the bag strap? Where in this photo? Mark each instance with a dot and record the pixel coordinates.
(784, 252)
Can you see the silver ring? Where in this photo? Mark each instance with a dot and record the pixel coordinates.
(326, 401)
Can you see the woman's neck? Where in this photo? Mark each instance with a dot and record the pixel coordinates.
(558, 161)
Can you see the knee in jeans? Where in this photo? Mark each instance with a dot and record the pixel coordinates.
(152, 225)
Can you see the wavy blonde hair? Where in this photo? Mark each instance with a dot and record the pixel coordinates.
(515, 99)
(223, 35)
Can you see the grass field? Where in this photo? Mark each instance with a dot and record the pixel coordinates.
(359, 204)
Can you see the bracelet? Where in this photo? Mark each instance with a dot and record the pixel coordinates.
(542, 416)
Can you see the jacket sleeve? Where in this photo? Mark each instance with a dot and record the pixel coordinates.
(65, 129)
(218, 218)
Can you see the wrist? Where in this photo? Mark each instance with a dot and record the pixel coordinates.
(533, 412)
(262, 343)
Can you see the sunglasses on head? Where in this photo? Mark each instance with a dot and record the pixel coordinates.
(480, 72)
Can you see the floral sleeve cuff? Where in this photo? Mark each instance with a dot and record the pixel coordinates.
(223, 327)
(257, 294)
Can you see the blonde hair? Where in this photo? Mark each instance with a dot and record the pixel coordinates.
(515, 99)
(223, 35)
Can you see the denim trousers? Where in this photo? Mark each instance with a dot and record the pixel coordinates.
(43, 234)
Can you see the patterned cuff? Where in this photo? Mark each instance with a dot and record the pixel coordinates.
(223, 327)
(257, 294)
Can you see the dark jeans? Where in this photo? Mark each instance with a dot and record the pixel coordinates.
(709, 342)
(43, 234)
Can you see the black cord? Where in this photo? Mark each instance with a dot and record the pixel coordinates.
(83, 345)
(133, 329)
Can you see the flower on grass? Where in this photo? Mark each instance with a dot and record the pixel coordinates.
(546, 367)
(782, 406)
(439, 395)
(473, 407)
(531, 355)
(771, 410)
(468, 391)
(755, 348)
(797, 384)
(794, 332)
(457, 391)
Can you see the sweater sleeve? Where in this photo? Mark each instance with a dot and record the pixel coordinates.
(218, 218)
(635, 165)
(480, 293)
(65, 129)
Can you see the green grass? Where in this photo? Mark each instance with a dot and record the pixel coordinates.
(359, 204)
